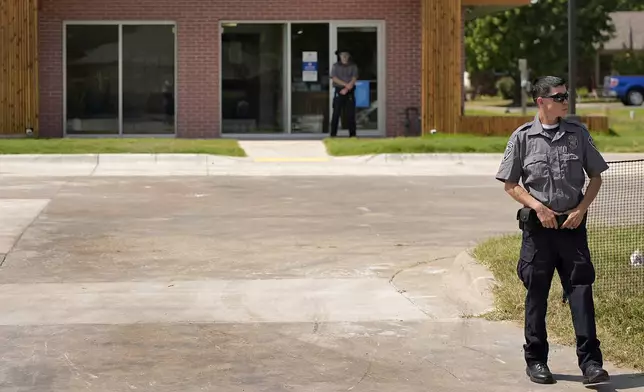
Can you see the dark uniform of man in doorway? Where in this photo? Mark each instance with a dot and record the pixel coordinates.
(550, 155)
(344, 74)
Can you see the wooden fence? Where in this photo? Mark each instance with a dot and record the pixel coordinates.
(18, 66)
(505, 125)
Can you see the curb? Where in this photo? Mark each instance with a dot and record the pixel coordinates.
(449, 158)
(440, 157)
(479, 276)
(49, 158)
(471, 285)
(115, 158)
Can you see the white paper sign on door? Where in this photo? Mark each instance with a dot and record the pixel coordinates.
(309, 66)
(310, 57)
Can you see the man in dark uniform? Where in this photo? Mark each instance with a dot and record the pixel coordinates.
(344, 74)
(550, 155)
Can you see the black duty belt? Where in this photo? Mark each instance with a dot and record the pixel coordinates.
(529, 220)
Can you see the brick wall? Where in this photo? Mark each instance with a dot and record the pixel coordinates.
(198, 48)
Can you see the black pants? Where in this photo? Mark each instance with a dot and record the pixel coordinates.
(542, 251)
(346, 103)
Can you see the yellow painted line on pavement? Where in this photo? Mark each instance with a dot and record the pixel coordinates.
(311, 159)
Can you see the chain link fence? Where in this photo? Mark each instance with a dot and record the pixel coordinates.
(616, 231)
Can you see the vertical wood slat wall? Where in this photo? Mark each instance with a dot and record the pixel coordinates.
(441, 65)
(18, 66)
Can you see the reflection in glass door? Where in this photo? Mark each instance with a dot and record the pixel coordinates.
(92, 79)
(363, 44)
(252, 75)
(310, 78)
(148, 79)
(119, 78)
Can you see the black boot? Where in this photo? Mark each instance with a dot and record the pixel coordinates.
(539, 373)
(595, 374)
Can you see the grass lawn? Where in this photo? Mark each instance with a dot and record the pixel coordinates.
(112, 146)
(618, 292)
(627, 136)
(426, 144)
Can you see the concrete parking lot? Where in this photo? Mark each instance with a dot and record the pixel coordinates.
(228, 283)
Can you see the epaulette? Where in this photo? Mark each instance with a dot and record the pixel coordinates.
(571, 121)
(523, 127)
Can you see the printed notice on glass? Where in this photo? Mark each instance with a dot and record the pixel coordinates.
(309, 66)
(310, 57)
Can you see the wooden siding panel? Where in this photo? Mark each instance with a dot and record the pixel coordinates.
(18, 66)
(505, 125)
(495, 2)
(441, 65)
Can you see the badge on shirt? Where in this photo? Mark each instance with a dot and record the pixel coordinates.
(572, 142)
(508, 150)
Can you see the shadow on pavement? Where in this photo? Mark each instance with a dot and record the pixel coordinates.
(617, 382)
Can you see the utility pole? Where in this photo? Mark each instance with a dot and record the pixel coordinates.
(572, 58)
(523, 69)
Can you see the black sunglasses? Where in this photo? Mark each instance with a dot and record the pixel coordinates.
(559, 97)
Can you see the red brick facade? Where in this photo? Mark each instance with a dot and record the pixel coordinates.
(198, 49)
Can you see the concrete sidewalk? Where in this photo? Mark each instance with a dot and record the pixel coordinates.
(285, 150)
(266, 163)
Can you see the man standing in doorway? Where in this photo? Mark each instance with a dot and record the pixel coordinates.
(344, 74)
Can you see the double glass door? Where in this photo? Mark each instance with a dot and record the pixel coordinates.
(288, 89)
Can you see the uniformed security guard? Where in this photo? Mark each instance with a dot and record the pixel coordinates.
(550, 155)
(344, 74)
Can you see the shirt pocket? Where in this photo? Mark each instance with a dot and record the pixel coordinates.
(535, 166)
(573, 167)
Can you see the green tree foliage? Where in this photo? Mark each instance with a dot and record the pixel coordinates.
(630, 5)
(630, 62)
(539, 33)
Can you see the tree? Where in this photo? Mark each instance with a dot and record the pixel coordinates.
(630, 5)
(538, 33)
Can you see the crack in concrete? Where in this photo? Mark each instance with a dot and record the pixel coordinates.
(403, 291)
(442, 368)
(364, 375)
(418, 264)
(98, 161)
(484, 353)
(3, 257)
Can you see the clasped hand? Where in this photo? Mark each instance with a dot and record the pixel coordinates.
(548, 217)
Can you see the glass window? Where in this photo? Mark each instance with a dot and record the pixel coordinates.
(148, 79)
(92, 62)
(252, 78)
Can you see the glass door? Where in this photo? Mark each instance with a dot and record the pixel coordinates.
(364, 41)
(309, 78)
(252, 78)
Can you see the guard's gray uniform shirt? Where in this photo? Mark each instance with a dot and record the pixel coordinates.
(344, 72)
(552, 166)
